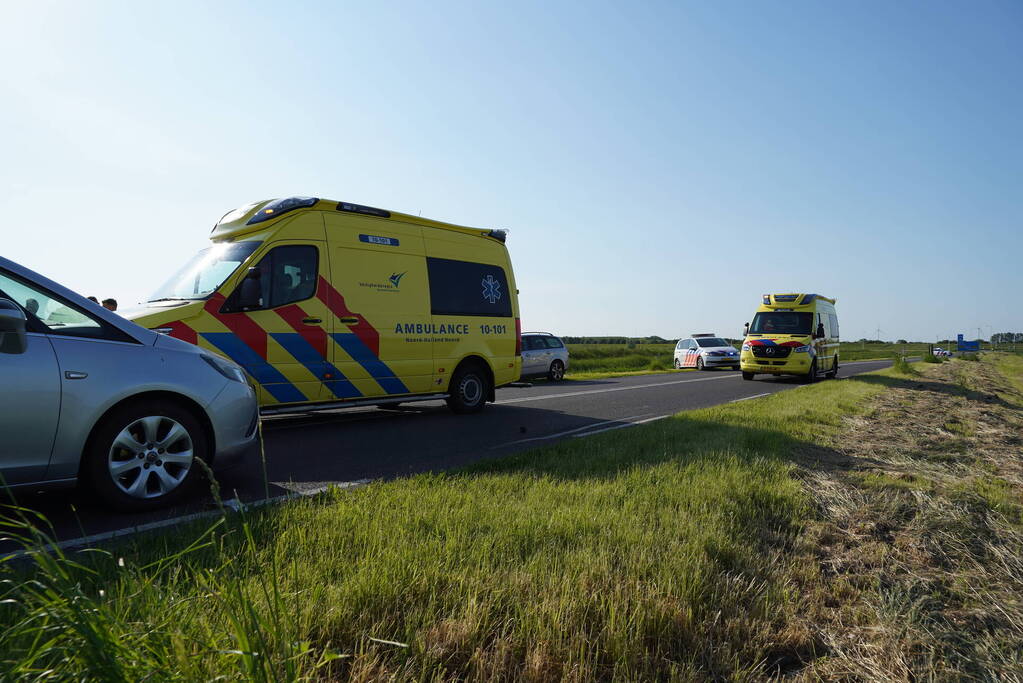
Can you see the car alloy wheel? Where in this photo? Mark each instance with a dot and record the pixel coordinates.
(699, 362)
(150, 457)
(557, 371)
(678, 364)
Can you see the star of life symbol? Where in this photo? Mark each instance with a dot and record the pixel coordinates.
(491, 289)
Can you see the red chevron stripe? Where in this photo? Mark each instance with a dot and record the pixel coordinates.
(180, 330)
(326, 293)
(242, 325)
(314, 334)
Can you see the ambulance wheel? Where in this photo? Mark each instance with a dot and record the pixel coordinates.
(557, 371)
(699, 363)
(469, 389)
(678, 364)
(747, 375)
(144, 455)
(811, 376)
(833, 373)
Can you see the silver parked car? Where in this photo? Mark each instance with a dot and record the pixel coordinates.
(543, 354)
(89, 397)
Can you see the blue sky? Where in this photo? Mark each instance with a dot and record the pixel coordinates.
(659, 165)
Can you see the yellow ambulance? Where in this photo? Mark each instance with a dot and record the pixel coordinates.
(329, 304)
(792, 334)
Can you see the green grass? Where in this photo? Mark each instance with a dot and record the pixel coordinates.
(595, 361)
(646, 553)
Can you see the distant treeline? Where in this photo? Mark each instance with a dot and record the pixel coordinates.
(1007, 338)
(618, 340)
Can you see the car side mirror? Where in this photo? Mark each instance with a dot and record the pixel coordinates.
(13, 339)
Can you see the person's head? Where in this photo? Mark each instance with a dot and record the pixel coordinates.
(32, 306)
(92, 299)
(110, 304)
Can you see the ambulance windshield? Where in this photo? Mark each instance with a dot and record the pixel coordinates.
(781, 322)
(205, 272)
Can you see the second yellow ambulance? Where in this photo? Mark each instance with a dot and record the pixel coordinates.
(792, 334)
(328, 303)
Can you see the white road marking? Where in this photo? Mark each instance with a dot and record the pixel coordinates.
(621, 426)
(607, 391)
(566, 432)
(232, 504)
(749, 397)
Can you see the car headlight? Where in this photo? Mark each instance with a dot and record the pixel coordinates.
(225, 367)
(802, 349)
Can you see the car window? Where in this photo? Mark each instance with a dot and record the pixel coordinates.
(529, 343)
(710, 342)
(49, 314)
(554, 343)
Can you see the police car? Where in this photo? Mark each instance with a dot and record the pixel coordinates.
(702, 351)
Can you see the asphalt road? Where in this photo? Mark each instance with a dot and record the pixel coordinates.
(305, 453)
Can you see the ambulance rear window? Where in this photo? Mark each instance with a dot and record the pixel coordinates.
(468, 288)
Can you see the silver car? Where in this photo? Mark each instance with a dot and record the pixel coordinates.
(543, 354)
(89, 397)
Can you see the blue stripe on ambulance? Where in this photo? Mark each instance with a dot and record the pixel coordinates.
(365, 357)
(295, 344)
(269, 377)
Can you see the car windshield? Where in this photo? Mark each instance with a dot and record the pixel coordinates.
(710, 342)
(207, 270)
(777, 322)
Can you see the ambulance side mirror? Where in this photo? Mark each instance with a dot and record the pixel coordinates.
(13, 339)
(820, 331)
(745, 330)
(250, 292)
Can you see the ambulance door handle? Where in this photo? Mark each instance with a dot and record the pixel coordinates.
(311, 321)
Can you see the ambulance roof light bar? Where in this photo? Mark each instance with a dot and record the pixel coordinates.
(278, 206)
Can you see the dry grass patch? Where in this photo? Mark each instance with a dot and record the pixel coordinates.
(913, 569)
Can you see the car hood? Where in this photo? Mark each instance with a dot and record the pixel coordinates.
(158, 314)
(717, 348)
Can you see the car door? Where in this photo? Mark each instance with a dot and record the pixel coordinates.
(530, 355)
(287, 322)
(30, 393)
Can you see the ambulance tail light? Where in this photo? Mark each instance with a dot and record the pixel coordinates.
(518, 336)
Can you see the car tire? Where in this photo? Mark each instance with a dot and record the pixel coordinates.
(833, 373)
(469, 388)
(699, 363)
(678, 364)
(144, 455)
(747, 375)
(556, 373)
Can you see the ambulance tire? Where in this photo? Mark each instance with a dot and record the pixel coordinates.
(100, 461)
(833, 373)
(557, 371)
(747, 375)
(699, 363)
(811, 376)
(470, 386)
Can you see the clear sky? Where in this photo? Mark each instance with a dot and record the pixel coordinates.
(659, 165)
